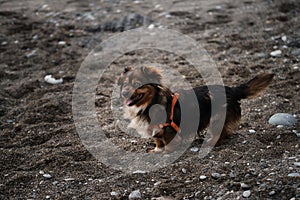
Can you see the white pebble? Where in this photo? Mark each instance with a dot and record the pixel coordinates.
(157, 183)
(62, 43)
(151, 26)
(49, 79)
(283, 119)
(276, 53)
(278, 137)
(216, 175)
(251, 131)
(135, 195)
(183, 170)
(203, 177)
(47, 176)
(294, 174)
(114, 194)
(194, 149)
(272, 193)
(297, 164)
(246, 193)
(139, 172)
(284, 38)
(69, 179)
(245, 186)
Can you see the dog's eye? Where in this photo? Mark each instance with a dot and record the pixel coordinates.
(137, 84)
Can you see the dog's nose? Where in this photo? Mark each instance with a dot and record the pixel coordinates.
(126, 94)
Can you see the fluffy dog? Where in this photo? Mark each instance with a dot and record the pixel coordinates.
(142, 90)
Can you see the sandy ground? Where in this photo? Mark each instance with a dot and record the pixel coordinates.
(42, 155)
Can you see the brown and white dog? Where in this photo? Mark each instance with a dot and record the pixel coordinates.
(142, 90)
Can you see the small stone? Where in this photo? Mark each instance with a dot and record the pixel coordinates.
(283, 119)
(251, 131)
(136, 194)
(114, 193)
(261, 55)
(231, 175)
(139, 172)
(246, 193)
(47, 197)
(203, 177)
(69, 179)
(297, 164)
(151, 26)
(183, 170)
(272, 193)
(284, 38)
(278, 137)
(47, 176)
(62, 43)
(276, 53)
(51, 80)
(31, 54)
(296, 52)
(194, 149)
(295, 174)
(216, 175)
(245, 186)
(157, 183)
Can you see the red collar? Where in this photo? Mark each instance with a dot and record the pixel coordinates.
(172, 123)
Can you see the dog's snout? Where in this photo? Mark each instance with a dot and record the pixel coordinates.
(126, 93)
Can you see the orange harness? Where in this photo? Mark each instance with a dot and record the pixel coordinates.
(172, 124)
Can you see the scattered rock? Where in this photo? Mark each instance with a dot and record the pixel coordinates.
(296, 52)
(194, 149)
(183, 170)
(136, 194)
(47, 176)
(294, 174)
(272, 193)
(69, 179)
(283, 119)
(139, 172)
(245, 186)
(251, 131)
(114, 193)
(284, 38)
(216, 175)
(203, 177)
(62, 43)
(297, 164)
(276, 53)
(157, 183)
(49, 79)
(31, 54)
(246, 193)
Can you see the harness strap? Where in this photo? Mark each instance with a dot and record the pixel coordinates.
(172, 123)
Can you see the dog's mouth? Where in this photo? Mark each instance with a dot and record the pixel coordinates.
(134, 99)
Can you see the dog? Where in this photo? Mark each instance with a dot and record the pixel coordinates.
(141, 90)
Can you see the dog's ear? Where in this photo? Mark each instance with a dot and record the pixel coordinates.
(121, 79)
(152, 73)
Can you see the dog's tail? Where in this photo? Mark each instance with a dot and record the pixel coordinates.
(253, 87)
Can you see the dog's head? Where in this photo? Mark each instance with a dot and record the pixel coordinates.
(132, 80)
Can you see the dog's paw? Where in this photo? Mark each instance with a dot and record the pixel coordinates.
(157, 150)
